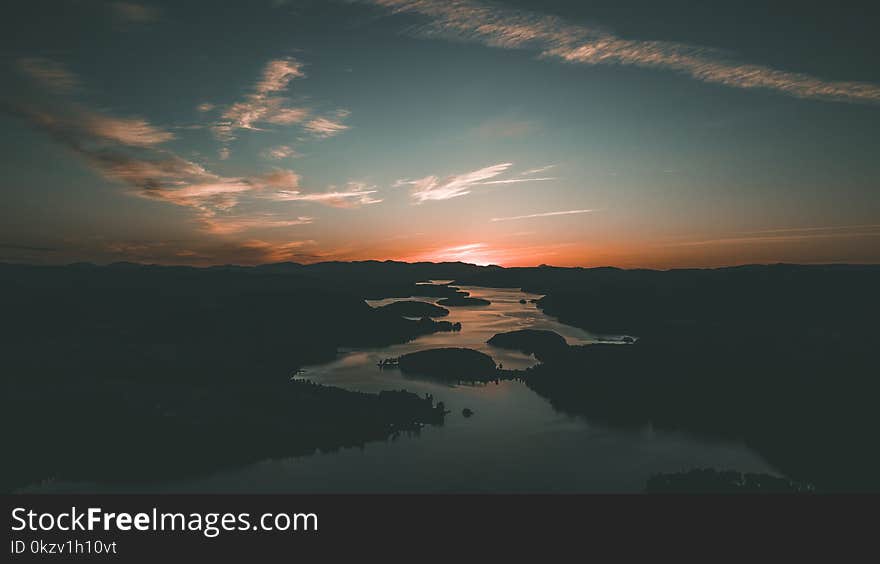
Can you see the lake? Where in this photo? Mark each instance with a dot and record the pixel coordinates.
(514, 441)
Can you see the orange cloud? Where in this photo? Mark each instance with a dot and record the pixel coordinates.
(230, 225)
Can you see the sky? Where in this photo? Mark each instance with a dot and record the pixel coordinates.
(590, 133)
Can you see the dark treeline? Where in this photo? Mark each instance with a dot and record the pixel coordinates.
(140, 361)
(137, 373)
(388, 279)
(781, 356)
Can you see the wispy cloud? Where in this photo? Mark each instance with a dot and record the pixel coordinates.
(354, 194)
(545, 214)
(247, 252)
(554, 37)
(279, 178)
(223, 225)
(473, 252)
(280, 152)
(788, 235)
(134, 13)
(328, 126)
(159, 174)
(434, 188)
(849, 228)
(504, 128)
(69, 120)
(51, 74)
(278, 74)
(134, 132)
(129, 150)
(519, 180)
(538, 170)
(484, 254)
(266, 105)
(263, 105)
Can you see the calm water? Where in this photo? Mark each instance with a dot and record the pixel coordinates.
(515, 441)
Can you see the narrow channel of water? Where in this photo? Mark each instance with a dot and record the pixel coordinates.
(514, 441)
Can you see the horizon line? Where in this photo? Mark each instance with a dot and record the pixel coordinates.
(478, 266)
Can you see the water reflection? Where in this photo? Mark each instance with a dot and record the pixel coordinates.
(514, 441)
(478, 325)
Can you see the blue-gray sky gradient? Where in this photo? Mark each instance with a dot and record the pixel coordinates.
(517, 133)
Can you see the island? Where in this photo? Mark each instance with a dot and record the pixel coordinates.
(413, 308)
(543, 344)
(450, 364)
(427, 326)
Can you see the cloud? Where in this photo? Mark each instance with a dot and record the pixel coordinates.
(553, 37)
(519, 180)
(152, 173)
(280, 152)
(50, 74)
(264, 105)
(474, 253)
(464, 250)
(485, 254)
(129, 156)
(129, 150)
(73, 121)
(504, 128)
(788, 235)
(278, 74)
(279, 178)
(16, 247)
(275, 252)
(545, 214)
(328, 126)
(287, 116)
(354, 194)
(131, 12)
(135, 132)
(125, 150)
(208, 197)
(248, 252)
(433, 188)
(231, 225)
(538, 170)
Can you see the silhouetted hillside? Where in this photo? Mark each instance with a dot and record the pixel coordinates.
(411, 308)
(783, 356)
(144, 360)
(132, 372)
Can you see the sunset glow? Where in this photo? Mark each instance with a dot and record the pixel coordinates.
(544, 139)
